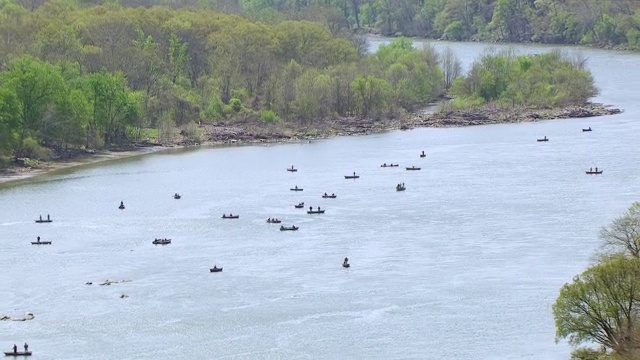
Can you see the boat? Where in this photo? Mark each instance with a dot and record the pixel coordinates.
(230, 216)
(400, 188)
(161, 242)
(296, 189)
(594, 172)
(543, 139)
(332, 196)
(423, 154)
(292, 169)
(587, 129)
(41, 243)
(17, 353)
(289, 228)
(215, 269)
(315, 211)
(177, 196)
(354, 176)
(413, 168)
(299, 206)
(346, 265)
(121, 207)
(273, 221)
(390, 165)
(41, 220)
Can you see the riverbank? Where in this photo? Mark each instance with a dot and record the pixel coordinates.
(251, 131)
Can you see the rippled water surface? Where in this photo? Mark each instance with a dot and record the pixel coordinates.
(465, 264)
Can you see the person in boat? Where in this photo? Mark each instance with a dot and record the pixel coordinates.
(596, 169)
(590, 169)
(38, 238)
(26, 347)
(332, 194)
(281, 227)
(269, 220)
(296, 187)
(385, 164)
(346, 261)
(15, 348)
(318, 208)
(354, 173)
(402, 184)
(40, 217)
(48, 218)
(310, 208)
(325, 194)
(121, 203)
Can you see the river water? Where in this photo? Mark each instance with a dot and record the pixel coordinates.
(465, 264)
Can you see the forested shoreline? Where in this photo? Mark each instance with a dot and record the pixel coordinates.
(78, 77)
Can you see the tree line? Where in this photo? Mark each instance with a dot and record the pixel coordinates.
(601, 306)
(603, 23)
(82, 76)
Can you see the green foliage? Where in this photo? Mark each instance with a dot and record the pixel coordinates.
(542, 80)
(269, 116)
(602, 306)
(33, 150)
(235, 104)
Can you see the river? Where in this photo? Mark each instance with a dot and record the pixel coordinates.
(464, 264)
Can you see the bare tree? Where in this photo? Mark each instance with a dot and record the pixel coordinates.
(450, 67)
(623, 234)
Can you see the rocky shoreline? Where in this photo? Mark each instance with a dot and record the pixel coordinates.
(251, 131)
(257, 132)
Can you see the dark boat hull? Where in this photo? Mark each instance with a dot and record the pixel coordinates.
(19, 353)
(352, 176)
(293, 228)
(231, 217)
(177, 197)
(298, 206)
(43, 221)
(215, 270)
(274, 222)
(401, 189)
(296, 189)
(392, 165)
(346, 265)
(413, 168)
(542, 140)
(585, 130)
(594, 172)
(316, 212)
(292, 170)
(161, 242)
(41, 243)
(121, 207)
(329, 197)
(423, 156)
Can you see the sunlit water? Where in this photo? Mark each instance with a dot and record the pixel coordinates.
(465, 264)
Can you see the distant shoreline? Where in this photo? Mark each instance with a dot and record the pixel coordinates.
(255, 132)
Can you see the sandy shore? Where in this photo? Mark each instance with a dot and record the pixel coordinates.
(253, 132)
(22, 173)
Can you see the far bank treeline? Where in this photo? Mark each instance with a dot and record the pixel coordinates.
(88, 77)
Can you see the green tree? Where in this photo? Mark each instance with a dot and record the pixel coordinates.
(602, 306)
(622, 236)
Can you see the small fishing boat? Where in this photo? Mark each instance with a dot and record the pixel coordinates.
(354, 176)
(41, 243)
(41, 220)
(17, 353)
(161, 242)
(273, 221)
(423, 154)
(413, 168)
(215, 269)
(121, 207)
(389, 165)
(587, 129)
(177, 196)
(543, 139)
(296, 189)
(292, 169)
(346, 265)
(230, 216)
(315, 211)
(597, 172)
(332, 196)
(289, 228)
(400, 188)
(299, 206)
